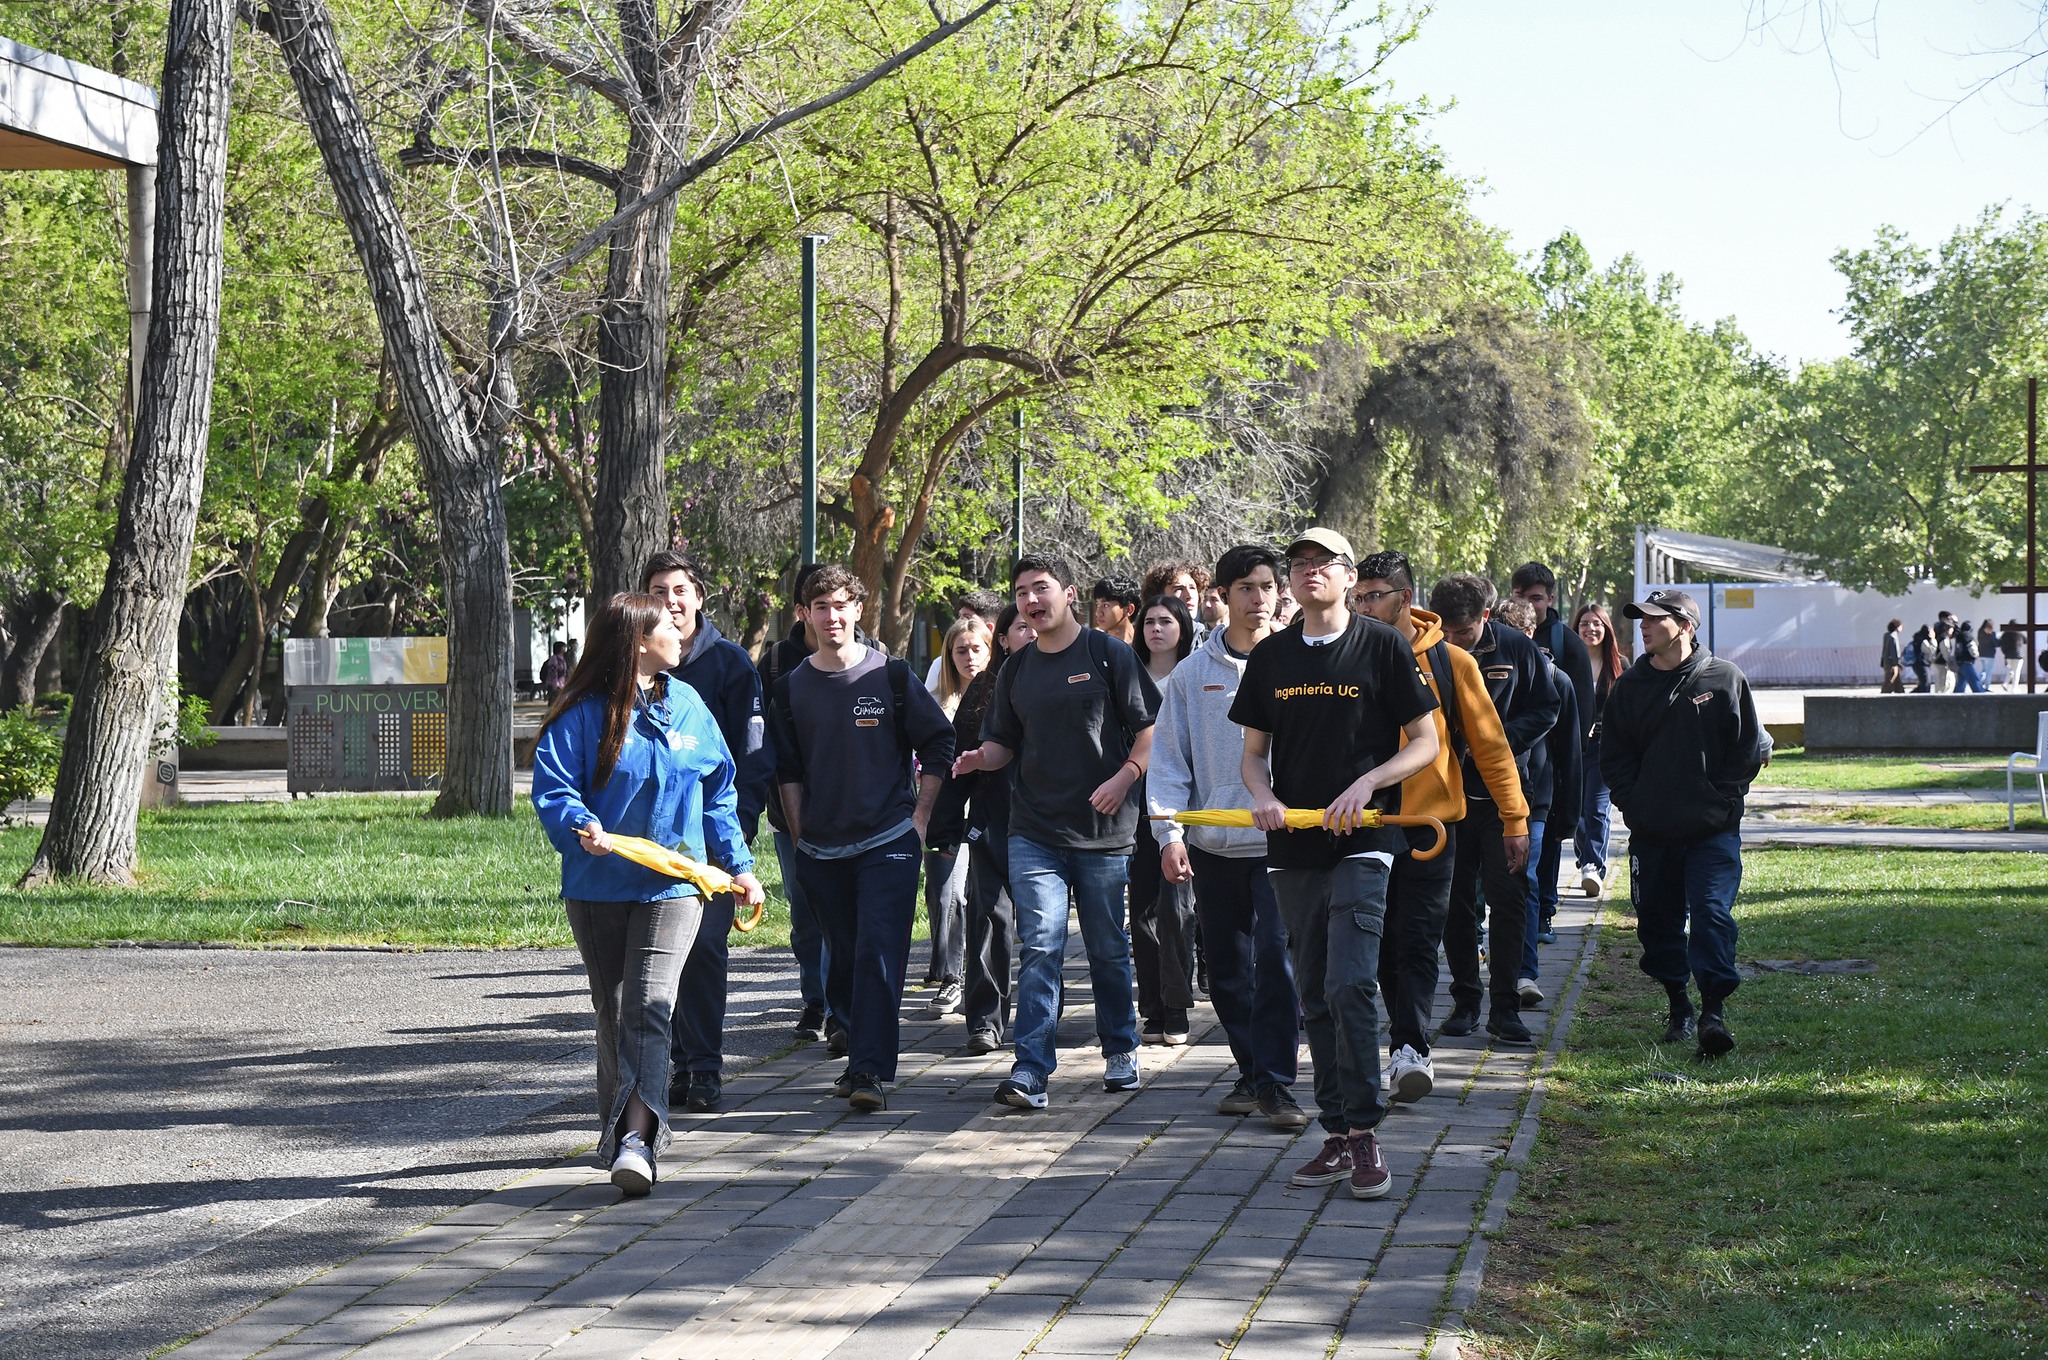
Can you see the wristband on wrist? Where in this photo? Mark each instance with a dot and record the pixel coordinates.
(1138, 769)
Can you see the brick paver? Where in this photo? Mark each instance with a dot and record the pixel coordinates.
(1139, 1225)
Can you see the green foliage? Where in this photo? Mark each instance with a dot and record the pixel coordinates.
(29, 751)
(1868, 456)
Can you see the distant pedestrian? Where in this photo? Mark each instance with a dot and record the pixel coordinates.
(1536, 585)
(2012, 652)
(1680, 744)
(1187, 582)
(626, 750)
(975, 604)
(964, 655)
(1964, 650)
(1891, 660)
(1919, 657)
(1591, 840)
(1942, 661)
(1114, 608)
(554, 671)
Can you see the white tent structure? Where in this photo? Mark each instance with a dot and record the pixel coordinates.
(1771, 613)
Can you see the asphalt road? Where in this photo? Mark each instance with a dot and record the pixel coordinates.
(185, 1132)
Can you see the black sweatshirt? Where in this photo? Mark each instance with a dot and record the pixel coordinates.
(1680, 747)
(836, 735)
(1524, 696)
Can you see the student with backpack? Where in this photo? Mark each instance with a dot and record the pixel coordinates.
(1072, 718)
(846, 722)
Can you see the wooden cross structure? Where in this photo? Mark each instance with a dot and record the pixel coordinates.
(2033, 467)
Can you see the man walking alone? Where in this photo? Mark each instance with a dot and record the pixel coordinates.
(1325, 708)
(1680, 743)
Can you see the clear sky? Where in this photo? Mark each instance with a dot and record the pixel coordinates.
(1739, 161)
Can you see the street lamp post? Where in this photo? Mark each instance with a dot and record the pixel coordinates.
(808, 547)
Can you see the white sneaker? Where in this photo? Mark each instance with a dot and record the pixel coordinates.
(1589, 883)
(1410, 1076)
(633, 1168)
(1528, 991)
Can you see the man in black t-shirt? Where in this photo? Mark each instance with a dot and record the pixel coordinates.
(1327, 702)
(1073, 714)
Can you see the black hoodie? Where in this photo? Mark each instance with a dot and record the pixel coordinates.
(1680, 747)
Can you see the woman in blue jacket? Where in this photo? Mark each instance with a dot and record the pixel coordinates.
(624, 750)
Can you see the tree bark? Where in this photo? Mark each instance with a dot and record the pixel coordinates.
(38, 619)
(632, 507)
(266, 606)
(450, 428)
(91, 832)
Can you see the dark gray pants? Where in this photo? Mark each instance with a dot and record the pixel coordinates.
(1335, 918)
(633, 953)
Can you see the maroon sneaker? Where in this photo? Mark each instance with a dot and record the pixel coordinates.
(1369, 1175)
(1333, 1163)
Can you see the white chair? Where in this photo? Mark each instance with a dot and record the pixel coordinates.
(2039, 756)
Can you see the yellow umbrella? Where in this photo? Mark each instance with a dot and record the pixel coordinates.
(708, 878)
(1305, 819)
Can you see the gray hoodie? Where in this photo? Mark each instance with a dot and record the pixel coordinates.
(1197, 752)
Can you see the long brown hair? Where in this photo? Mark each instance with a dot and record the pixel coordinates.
(610, 665)
(1610, 646)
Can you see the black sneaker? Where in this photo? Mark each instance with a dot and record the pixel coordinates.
(1021, 1091)
(1715, 1040)
(1464, 1019)
(1678, 1028)
(835, 1040)
(866, 1095)
(842, 1085)
(1506, 1027)
(1243, 1098)
(810, 1026)
(1277, 1103)
(704, 1091)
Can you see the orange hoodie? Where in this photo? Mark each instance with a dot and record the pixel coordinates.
(1439, 790)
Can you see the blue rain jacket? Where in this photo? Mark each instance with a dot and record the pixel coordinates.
(673, 744)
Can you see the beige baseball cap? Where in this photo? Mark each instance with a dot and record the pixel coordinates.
(1329, 540)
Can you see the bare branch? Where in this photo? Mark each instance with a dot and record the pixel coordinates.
(582, 67)
(529, 157)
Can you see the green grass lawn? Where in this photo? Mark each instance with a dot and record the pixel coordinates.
(1950, 816)
(1791, 768)
(1864, 1177)
(338, 869)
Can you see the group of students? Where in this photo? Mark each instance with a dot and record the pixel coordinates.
(1034, 778)
(1947, 657)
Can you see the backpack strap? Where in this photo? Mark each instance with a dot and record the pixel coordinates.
(899, 690)
(1098, 653)
(1554, 631)
(1447, 693)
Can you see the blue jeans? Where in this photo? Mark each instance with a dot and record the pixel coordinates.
(867, 904)
(806, 936)
(1537, 913)
(1251, 981)
(1041, 877)
(1335, 918)
(1688, 884)
(1546, 853)
(1590, 841)
(1968, 680)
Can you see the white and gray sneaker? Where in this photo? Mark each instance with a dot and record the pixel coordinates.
(1410, 1076)
(1530, 994)
(1120, 1072)
(1590, 883)
(944, 1003)
(633, 1167)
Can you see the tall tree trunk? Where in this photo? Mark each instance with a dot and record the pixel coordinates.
(632, 509)
(91, 832)
(266, 606)
(35, 628)
(456, 448)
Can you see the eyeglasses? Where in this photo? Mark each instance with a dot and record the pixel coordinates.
(1374, 596)
(1310, 566)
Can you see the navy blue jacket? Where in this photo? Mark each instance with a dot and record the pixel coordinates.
(725, 679)
(1523, 694)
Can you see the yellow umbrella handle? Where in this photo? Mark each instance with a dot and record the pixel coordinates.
(1434, 850)
(748, 926)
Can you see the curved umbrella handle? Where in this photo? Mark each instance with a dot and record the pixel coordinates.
(748, 926)
(1399, 820)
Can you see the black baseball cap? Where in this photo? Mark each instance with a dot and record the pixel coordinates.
(1670, 603)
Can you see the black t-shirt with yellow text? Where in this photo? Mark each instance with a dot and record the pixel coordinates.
(1334, 709)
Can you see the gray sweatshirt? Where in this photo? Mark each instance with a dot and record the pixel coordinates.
(1197, 752)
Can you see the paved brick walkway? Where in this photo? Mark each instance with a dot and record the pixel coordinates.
(1142, 1225)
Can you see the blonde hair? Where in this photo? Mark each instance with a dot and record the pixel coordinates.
(952, 684)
